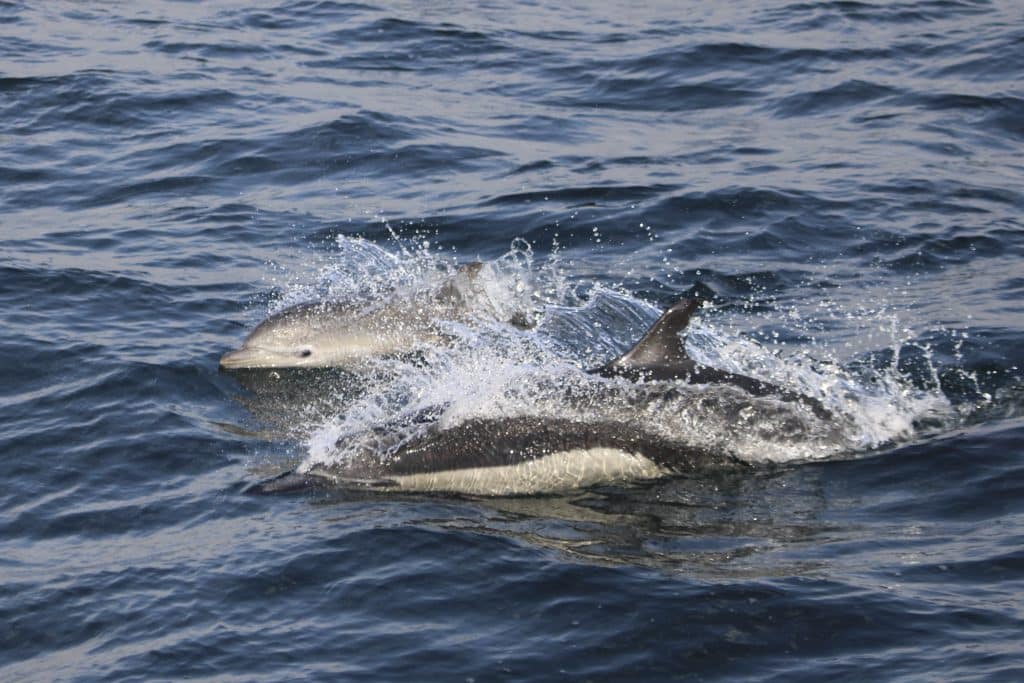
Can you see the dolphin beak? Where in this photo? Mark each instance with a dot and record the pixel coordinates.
(245, 358)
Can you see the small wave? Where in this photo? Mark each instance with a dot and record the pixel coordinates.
(845, 97)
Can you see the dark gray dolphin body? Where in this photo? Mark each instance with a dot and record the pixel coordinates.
(529, 455)
(661, 355)
(512, 456)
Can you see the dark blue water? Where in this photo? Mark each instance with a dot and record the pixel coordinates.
(843, 180)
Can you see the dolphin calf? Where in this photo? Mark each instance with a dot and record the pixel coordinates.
(537, 454)
(326, 334)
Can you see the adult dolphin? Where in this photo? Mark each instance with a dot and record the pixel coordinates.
(511, 456)
(661, 355)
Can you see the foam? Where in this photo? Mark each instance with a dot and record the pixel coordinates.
(490, 368)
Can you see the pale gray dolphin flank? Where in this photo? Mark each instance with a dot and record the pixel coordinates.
(511, 456)
(325, 334)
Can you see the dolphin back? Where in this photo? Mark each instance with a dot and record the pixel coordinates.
(661, 355)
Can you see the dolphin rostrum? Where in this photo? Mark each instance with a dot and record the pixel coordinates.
(535, 454)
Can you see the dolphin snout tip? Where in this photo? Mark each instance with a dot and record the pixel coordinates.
(254, 357)
(233, 360)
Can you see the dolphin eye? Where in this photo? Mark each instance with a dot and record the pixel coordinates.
(305, 353)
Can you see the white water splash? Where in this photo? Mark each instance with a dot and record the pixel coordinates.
(491, 369)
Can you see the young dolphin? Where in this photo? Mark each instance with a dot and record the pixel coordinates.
(529, 455)
(326, 334)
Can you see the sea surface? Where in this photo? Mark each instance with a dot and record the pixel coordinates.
(841, 182)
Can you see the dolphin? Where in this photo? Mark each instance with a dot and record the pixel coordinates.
(335, 334)
(327, 334)
(511, 456)
(661, 355)
(541, 454)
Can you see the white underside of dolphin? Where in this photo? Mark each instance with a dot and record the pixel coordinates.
(561, 471)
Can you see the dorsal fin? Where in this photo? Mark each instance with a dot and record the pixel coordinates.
(664, 343)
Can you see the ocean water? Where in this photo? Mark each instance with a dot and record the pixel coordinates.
(842, 182)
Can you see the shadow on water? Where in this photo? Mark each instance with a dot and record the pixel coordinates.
(723, 524)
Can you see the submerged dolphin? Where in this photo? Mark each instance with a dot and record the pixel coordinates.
(325, 334)
(527, 455)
